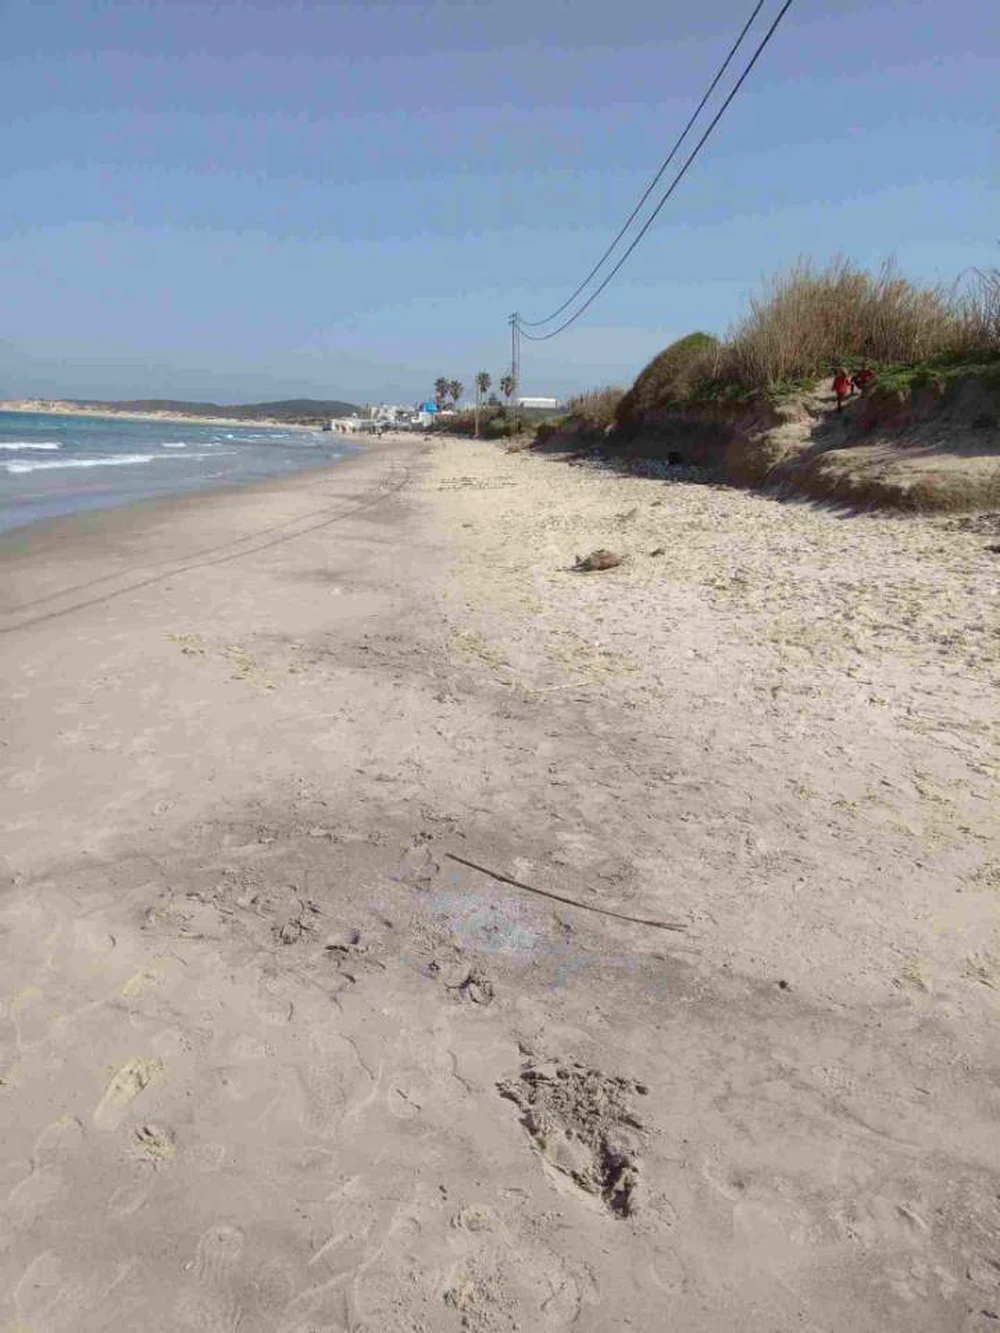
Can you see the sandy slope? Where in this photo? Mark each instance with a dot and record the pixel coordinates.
(271, 1060)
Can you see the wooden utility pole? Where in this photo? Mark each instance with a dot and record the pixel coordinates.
(515, 367)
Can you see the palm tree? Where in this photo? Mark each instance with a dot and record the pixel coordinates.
(483, 383)
(456, 388)
(507, 386)
(441, 389)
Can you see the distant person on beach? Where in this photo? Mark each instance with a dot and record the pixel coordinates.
(841, 387)
(861, 379)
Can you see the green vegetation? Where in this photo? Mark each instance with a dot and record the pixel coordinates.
(984, 366)
(808, 321)
(492, 423)
(546, 429)
(496, 421)
(483, 382)
(671, 376)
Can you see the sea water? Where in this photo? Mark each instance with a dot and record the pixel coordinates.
(53, 465)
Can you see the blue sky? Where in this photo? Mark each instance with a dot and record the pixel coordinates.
(248, 199)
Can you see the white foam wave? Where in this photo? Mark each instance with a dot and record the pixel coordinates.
(267, 437)
(121, 460)
(116, 460)
(174, 444)
(29, 444)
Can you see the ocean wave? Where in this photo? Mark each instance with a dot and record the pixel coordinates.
(29, 444)
(117, 460)
(173, 444)
(266, 437)
(122, 460)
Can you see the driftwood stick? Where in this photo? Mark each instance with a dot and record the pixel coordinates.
(570, 902)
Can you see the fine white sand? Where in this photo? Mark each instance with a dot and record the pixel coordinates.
(271, 1059)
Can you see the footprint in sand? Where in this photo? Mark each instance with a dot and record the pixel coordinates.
(46, 1295)
(128, 1199)
(330, 1080)
(273, 1289)
(668, 1272)
(538, 1279)
(322, 1098)
(274, 1001)
(132, 1079)
(34, 1014)
(211, 1304)
(54, 1295)
(219, 1251)
(56, 1143)
(418, 867)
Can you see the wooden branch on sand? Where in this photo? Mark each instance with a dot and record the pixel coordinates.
(570, 902)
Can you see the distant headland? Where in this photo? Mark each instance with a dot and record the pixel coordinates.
(286, 412)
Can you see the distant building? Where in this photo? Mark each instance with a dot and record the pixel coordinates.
(538, 402)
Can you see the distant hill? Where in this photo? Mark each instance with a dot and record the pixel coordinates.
(289, 409)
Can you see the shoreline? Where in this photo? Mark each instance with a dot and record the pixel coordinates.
(47, 408)
(155, 507)
(354, 446)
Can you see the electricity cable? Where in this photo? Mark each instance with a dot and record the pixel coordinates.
(544, 337)
(536, 323)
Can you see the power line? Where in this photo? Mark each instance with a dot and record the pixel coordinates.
(544, 337)
(536, 323)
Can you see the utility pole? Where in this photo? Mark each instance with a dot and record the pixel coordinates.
(515, 367)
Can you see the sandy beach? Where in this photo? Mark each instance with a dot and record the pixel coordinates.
(404, 931)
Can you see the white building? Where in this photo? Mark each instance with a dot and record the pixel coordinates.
(538, 402)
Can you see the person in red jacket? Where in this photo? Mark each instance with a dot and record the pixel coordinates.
(841, 387)
(861, 379)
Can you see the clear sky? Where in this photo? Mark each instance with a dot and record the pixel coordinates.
(248, 199)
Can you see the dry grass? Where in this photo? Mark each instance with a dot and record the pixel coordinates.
(979, 310)
(598, 407)
(807, 321)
